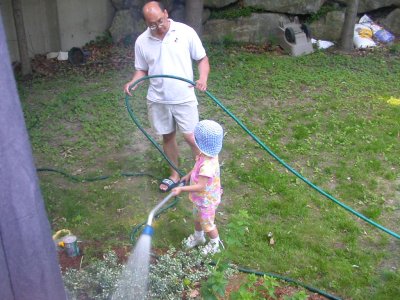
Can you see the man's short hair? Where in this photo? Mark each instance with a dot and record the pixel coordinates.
(160, 5)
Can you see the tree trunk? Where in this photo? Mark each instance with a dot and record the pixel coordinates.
(21, 37)
(346, 38)
(193, 15)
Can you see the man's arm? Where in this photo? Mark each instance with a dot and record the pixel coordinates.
(204, 69)
(136, 76)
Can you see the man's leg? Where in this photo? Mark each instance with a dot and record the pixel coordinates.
(170, 147)
(189, 138)
(187, 116)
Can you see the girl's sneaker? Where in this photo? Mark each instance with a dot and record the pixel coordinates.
(211, 248)
(193, 241)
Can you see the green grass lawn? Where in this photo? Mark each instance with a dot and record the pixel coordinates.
(325, 115)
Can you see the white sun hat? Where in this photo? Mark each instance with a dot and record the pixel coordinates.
(208, 137)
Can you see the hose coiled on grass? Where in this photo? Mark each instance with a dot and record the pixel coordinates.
(259, 142)
(266, 148)
(92, 179)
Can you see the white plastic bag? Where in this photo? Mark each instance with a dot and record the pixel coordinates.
(381, 34)
(363, 37)
(62, 55)
(321, 44)
(365, 20)
(324, 44)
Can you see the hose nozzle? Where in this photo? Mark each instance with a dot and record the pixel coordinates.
(148, 230)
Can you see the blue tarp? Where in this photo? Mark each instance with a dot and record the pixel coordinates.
(28, 260)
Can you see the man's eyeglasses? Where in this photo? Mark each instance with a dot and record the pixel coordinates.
(159, 24)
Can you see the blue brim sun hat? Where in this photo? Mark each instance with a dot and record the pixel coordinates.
(208, 136)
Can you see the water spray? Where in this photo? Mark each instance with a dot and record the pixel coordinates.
(133, 283)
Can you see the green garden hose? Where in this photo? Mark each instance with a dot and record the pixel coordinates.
(266, 148)
(136, 229)
(92, 179)
(255, 138)
(287, 279)
(173, 203)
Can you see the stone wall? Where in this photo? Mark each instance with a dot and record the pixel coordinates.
(54, 25)
(261, 25)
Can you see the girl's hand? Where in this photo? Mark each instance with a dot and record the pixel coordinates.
(185, 179)
(176, 191)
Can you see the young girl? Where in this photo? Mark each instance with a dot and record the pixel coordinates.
(205, 186)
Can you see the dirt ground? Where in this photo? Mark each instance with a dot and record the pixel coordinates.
(77, 262)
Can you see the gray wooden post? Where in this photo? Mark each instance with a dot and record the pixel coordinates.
(28, 258)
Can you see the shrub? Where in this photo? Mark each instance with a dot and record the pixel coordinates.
(176, 271)
(170, 276)
(96, 281)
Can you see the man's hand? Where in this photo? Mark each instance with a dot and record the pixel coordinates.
(128, 90)
(201, 85)
(138, 74)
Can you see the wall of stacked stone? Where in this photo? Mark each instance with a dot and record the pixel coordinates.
(262, 25)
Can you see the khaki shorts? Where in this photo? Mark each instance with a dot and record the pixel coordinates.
(165, 118)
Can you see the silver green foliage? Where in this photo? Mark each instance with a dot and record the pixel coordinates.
(96, 281)
(170, 275)
(176, 271)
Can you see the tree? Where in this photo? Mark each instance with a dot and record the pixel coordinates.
(193, 15)
(21, 37)
(347, 34)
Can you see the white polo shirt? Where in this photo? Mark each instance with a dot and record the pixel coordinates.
(171, 56)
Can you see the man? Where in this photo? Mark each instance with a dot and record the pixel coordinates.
(168, 48)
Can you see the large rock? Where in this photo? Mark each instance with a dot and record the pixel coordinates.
(218, 3)
(258, 28)
(287, 6)
(369, 5)
(126, 23)
(121, 25)
(206, 15)
(169, 4)
(177, 13)
(127, 4)
(121, 4)
(329, 27)
(392, 22)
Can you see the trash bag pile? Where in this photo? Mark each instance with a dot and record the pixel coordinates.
(368, 34)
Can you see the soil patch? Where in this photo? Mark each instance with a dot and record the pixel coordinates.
(77, 262)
